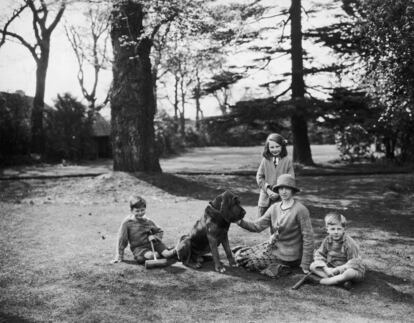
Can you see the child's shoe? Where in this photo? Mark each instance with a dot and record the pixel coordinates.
(347, 285)
(312, 279)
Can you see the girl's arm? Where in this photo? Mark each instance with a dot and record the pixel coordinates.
(290, 168)
(260, 176)
(258, 225)
(307, 238)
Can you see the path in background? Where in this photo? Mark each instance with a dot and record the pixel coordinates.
(204, 159)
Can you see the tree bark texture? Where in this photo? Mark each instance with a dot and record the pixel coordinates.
(132, 100)
(301, 146)
(38, 136)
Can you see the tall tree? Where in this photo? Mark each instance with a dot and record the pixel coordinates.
(301, 145)
(40, 51)
(134, 26)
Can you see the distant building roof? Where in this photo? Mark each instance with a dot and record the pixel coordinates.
(101, 127)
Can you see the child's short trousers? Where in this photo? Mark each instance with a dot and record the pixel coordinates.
(139, 252)
(355, 264)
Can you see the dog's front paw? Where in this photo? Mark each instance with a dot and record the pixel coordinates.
(220, 269)
(233, 264)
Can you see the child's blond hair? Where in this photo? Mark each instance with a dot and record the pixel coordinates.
(335, 218)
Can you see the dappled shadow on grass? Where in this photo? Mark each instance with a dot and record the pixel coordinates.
(363, 200)
(379, 283)
(14, 191)
(203, 187)
(12, 318)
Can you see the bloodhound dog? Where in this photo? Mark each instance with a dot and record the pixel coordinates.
(210, 231)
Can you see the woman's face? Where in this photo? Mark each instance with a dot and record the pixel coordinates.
(274, 148)
(285, 193)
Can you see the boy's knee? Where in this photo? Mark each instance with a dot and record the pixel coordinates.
(169, 253)
(140, 260)
(354, 275)
(150, 255)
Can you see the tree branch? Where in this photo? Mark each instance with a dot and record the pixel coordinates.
(58, 17)
(15, 15)
(283, 93)
(163, 22)
(23, 42)
(285, 22)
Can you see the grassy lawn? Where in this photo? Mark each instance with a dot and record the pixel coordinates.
(57, 237)
(235, 158)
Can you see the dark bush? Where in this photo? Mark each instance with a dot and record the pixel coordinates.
(68, 130)
(354, 143)
(168, 140)
(14, 128)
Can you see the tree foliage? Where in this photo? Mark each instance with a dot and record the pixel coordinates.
(68, 130)
(14, 126)
(385, 31)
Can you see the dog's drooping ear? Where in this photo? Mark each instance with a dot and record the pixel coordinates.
(216, 203)
(227, 201)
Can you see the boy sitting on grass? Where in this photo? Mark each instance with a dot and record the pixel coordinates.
(337, 260)
(138, 231)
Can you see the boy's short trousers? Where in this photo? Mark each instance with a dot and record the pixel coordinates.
(355, 264)
(139, 252)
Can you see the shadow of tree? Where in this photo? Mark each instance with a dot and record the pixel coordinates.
(12, 318)
(360, 200)
(384, 285)
(203, 187)
(377, 284)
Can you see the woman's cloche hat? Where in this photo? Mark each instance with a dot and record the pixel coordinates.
(286, 180)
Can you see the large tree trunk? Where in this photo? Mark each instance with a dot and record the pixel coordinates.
(132, 100)
(301, 147)
(38, 136)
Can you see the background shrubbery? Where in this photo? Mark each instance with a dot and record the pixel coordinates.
(69, 130)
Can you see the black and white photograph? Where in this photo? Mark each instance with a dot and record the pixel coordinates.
(206, 161)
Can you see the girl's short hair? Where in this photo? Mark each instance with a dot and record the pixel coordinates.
(137, 202)
(279, 140)
(334, 218)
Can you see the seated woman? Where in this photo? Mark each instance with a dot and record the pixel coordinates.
(291, 243)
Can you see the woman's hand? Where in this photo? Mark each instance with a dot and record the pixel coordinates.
(305, 271)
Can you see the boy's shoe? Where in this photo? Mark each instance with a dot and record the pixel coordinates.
(347, 285)
(312, 279)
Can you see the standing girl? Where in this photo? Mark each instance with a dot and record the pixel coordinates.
(275, 162)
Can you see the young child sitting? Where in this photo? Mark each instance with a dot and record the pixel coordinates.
(138, 231)
(337, 260)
